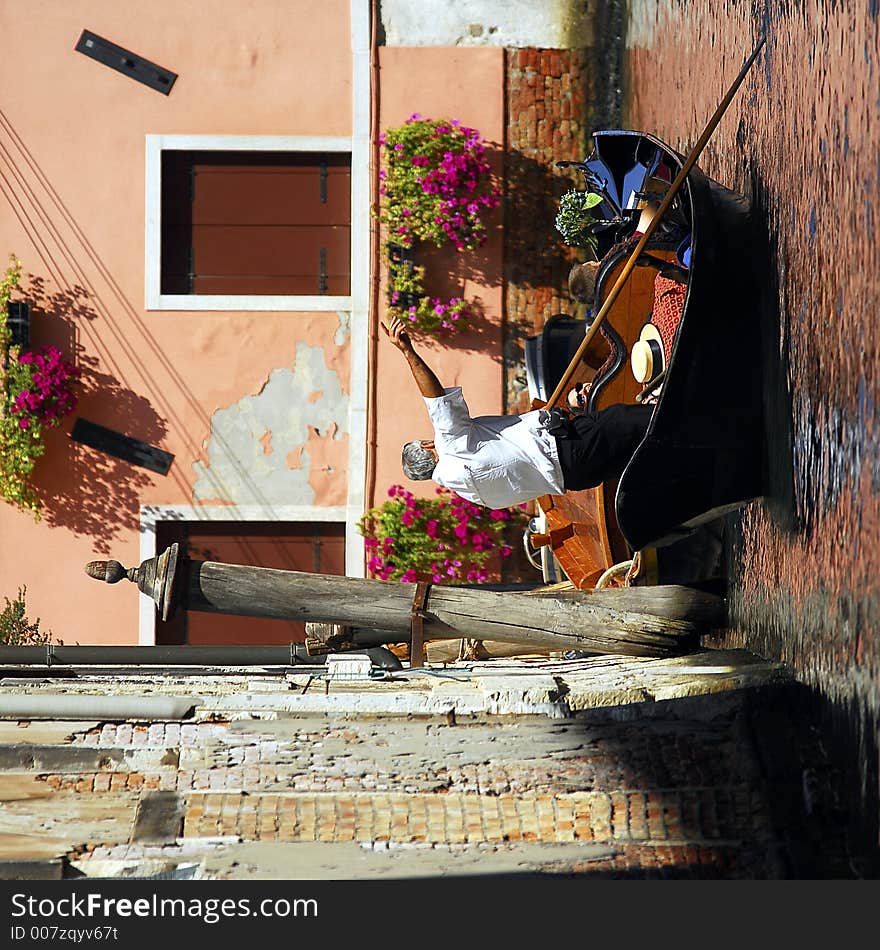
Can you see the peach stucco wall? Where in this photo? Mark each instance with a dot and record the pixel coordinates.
(72, 166)
(468, 85)
(72, 172)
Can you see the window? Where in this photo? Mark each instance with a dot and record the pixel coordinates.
(256, 223)
(248, 223)
(312, 547)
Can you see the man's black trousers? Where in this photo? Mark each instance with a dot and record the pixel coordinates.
(594, 447)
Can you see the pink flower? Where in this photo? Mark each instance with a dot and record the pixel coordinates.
(481, 541)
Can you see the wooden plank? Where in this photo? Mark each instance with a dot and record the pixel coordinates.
(649, 621)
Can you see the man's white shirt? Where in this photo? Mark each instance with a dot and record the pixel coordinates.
(495, 461)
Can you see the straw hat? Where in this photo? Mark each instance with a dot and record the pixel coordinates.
(646, 358)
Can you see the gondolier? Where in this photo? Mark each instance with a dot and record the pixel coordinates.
(500, 461)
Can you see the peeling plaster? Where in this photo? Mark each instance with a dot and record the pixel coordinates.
(343, 331)
(257, 448)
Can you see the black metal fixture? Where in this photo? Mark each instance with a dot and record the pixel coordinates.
(403, 259)
(126, 62)
(18, 319)
(121, 446)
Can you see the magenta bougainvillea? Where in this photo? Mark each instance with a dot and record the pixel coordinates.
(47, 395)
(443, 540)
(437, 184)
(37, 390)
(436, 187)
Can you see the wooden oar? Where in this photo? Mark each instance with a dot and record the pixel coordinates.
(664, 205)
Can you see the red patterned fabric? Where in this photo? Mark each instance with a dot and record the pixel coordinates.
(666, 315)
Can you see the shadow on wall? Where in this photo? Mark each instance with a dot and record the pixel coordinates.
(83, 490)
(535, 256)
(480, 337)
(751, 778)
(779, 497)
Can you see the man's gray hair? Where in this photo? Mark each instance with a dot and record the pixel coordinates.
(418, 462)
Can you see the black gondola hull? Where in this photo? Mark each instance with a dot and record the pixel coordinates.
(703, 451)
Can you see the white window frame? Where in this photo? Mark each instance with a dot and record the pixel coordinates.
(156, 144)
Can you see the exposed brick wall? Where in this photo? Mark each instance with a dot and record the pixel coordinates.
(668, 790)
(726, 785)
(548, 102)
(682, 817)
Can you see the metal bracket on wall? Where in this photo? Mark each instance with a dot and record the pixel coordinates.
(126, 62)
(18, 320)
(121, 446)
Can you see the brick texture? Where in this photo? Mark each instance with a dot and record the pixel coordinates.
(701, 787)
(548, 105)
(600, 817)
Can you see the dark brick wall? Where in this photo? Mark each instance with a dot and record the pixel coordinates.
(548, 101)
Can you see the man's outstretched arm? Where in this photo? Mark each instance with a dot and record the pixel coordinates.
(429, 386)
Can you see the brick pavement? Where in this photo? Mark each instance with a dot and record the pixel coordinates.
(684, 788)
(679, 817)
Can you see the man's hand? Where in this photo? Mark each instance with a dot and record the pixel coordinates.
(396, 332)
(429, 386)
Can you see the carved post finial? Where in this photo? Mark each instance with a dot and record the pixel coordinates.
(157, 577)
(110, 571)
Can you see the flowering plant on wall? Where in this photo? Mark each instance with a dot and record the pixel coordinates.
(407, 299)
(38, 391)
(443, 540)
(436, 187)
(437, 183)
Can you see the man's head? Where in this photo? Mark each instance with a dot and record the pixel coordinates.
(582, 282)
(419, 459)
(578, 398)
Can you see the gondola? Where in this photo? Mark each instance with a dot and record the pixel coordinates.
(702, 455)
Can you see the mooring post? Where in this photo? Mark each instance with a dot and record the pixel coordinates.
(633, 621)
